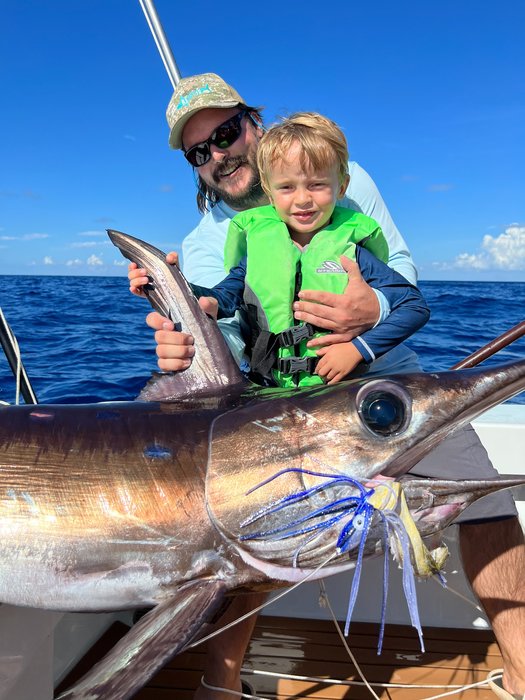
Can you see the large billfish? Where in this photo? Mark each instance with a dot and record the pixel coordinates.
(174, 504)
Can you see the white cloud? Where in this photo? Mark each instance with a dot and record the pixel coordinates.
(85, 244)
(507, 250)
(440, 187)
(34, 236)
(94, 260)
(74, 263)
(92, 233)
(470, 261)
(25, 237)
(48, 260)
(503, 252)
(120, 263)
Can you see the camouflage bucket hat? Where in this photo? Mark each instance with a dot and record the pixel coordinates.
(191, 95)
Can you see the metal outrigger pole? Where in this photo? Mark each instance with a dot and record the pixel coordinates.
(160, 39)
(12, 353)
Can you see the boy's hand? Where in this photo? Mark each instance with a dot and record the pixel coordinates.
(175, 349)
(210, 306)
(138, 276)
(337, 361)
(346, 315)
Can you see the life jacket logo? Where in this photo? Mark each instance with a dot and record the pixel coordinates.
(186, 99)
(331, 266)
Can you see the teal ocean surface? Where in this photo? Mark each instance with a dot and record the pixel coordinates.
(84, 339)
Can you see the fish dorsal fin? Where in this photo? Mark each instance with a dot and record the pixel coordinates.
(213, 368)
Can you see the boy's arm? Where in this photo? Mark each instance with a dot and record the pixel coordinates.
(408, 309)
(229, 292)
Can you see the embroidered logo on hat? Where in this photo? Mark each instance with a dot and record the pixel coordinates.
(330, 266)
(186, 99)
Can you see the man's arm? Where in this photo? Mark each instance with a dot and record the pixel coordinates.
(362, 195)
(409, 311)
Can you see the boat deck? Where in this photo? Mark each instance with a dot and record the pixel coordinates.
(312, 648)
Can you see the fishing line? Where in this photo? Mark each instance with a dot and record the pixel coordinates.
(231, 692)
(336, 681)
(264, 605)
(452, 689)
(461, 596)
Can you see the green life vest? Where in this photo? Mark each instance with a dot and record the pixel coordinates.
(276, 270)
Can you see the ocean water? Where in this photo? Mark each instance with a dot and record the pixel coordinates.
(84, 339)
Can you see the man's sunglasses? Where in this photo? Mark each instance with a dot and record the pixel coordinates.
(224, 135)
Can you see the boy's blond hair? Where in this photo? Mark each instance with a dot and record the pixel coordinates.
(322, 144)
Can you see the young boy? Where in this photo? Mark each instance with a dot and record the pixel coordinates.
(296, 243)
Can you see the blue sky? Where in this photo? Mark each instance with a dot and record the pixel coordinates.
(431, 96)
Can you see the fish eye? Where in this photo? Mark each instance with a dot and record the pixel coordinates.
(384, 408)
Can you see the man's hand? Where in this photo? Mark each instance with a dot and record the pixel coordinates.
(138, 276)
(175, 349)
(346, 315)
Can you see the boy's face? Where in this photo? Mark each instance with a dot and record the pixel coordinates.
(303, 198)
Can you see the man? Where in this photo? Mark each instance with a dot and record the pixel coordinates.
(218, 134)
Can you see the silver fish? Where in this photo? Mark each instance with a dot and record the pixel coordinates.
(175, 504)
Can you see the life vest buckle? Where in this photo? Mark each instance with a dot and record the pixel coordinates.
(294, 365)
(294, 335)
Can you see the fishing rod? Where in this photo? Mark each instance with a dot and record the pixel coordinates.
(493, 347)
(12, 353)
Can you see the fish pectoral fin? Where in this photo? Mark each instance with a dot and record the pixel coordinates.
(163, 632)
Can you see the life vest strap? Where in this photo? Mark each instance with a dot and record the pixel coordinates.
(294, 335)
(294, 365)
(265, 351)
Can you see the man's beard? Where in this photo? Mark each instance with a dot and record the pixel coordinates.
(252, 195)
